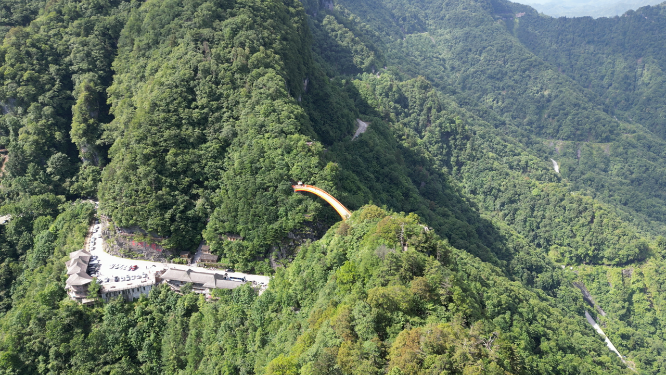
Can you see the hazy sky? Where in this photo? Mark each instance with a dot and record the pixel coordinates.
(579, 8)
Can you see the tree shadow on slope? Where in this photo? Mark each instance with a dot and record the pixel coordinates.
(376, 168)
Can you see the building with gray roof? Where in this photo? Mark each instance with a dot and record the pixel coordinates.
(202, 282)
(78, 280)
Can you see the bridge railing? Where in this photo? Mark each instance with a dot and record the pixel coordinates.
(339, 207)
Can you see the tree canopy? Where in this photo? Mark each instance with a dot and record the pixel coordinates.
(467, 250)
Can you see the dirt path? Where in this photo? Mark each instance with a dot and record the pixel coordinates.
(4, 155)
(362, 127)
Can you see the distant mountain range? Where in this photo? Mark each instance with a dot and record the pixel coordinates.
(582, 8)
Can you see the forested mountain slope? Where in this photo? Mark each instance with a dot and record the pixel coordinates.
(596, 167)
(349, 303)
(587, 8)
(481, 52)
(192, 118)
(625, 74)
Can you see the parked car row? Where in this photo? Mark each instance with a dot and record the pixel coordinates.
(124, 267)
(93, 243)
(93, 269)
(111, 279)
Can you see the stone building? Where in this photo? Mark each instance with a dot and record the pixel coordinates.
(78, 280)
(208, 258)
(128, 291)
(202, 282)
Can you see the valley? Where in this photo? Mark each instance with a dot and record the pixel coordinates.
(331, 187)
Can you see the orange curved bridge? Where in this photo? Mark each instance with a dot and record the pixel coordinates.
(342, 210)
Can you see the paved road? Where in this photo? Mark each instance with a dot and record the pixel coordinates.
(106, 260)
(610, 345)
(362, 127)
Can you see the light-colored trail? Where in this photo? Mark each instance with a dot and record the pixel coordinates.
(362, 127)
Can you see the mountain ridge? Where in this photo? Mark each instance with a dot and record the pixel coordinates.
(192, 119)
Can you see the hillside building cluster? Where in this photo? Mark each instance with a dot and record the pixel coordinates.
(79, 281)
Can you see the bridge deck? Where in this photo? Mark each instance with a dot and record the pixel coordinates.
(341, 209)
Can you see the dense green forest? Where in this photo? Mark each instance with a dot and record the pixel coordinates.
(352, 302)
(191, 119)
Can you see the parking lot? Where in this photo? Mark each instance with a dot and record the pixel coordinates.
(108, 268)
(111, 269)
